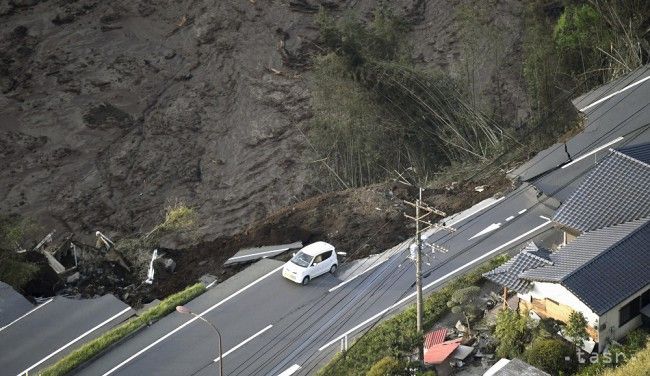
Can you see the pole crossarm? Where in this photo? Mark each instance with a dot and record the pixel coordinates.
(423, 211)
(426, 207)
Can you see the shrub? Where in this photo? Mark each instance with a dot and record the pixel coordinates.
(550, 355)
(512, 332)
(396, 337)
(15, 232)
(634, 345)
(464, 301)
(91, 349)
(386, 366)
(637, 366)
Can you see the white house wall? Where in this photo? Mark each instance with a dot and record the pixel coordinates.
(561, 295)
(612, 331)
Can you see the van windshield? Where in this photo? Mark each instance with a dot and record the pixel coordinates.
(301, 259)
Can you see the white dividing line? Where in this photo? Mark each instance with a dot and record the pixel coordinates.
(260, 253)
(615, 93)
(291, 370)
(25, 372)
(592, 152)
(471, 211)
(522, 211)
(189, 322)
(211, 284)
(410, 296)
(26, 314)
(510, 218)
(245, 342)
(490, 228)
(545, 218)
(351, 279)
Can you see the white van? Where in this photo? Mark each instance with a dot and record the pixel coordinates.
(310, 262)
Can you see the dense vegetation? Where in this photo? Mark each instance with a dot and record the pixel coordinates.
(631, 358)
(637, 366)
(552, 355)
(396, 337)
(394, 116)
(538, 344)
(571, 47)
(397, 117)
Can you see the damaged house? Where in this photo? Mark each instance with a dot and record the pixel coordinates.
(602, 269)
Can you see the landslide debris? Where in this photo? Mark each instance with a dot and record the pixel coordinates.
(112, 110)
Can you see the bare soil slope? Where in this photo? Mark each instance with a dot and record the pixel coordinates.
(111, 110)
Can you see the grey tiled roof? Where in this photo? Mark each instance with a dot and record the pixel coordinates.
(616, 191)
(614, 275)
(640, 152)
(508, 274)
(517, 367)
(602, 267)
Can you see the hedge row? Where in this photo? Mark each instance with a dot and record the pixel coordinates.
(397, 336)
(91, 349)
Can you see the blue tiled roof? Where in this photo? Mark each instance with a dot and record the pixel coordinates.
(639, 152)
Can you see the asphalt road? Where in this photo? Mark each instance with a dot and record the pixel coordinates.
(271, 326)
(308, 320)
(12, 304)
(54, 328)
(621, 120)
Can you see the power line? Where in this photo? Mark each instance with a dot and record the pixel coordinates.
(474, 244)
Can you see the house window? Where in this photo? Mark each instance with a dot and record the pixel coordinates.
(629, 311)
(645, 298)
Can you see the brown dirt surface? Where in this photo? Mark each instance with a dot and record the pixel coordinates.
(109, 111)
(359, 221)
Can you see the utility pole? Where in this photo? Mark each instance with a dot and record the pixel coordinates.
(420, 206)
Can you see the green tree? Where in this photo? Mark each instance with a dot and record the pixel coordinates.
(464, 301)
(387, 366)
(551, 355)
(512, 332)
(576, 329)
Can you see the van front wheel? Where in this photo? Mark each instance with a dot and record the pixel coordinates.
(305, 280)
(333, 269)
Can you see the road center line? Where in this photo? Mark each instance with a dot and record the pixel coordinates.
(245, 342)
(470, 212)
(410, 296)
(615, 93)
(26, 314)
(357, 275)
(259, 253)
(25, 372)
(291, 370)
(190, 321)
(592, 152)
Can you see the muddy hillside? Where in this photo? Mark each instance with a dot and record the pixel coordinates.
(109, 111)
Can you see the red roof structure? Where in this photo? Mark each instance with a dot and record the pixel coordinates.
(437, 354)
(435, 337)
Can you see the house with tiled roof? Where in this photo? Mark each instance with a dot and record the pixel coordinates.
(603, 268)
